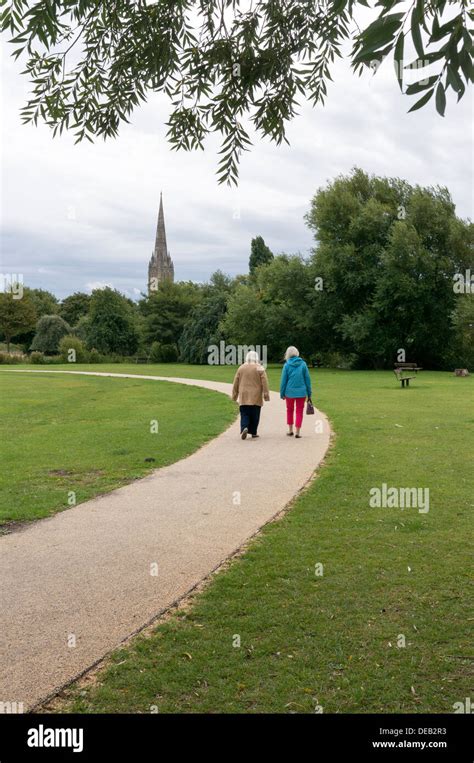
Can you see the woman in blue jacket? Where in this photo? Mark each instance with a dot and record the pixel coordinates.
(295, 387)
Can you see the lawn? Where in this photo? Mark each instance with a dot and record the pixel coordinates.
(331, 642)
(390, 576)
(87, 436)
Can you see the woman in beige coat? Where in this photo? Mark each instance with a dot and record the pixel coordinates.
(251, 389)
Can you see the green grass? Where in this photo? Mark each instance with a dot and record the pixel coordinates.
(331, 641)
(91, 435)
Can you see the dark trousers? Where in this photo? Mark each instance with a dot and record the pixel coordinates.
(249, 418)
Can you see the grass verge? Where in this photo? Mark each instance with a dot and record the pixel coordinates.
(88, 435)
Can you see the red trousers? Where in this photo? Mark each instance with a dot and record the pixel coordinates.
(290, 406)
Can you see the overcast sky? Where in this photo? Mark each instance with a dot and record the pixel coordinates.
(75, 217)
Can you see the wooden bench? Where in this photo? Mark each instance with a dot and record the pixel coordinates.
(406, 371)
(141, 359)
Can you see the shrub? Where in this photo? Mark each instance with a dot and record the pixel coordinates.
(37, 357)
(72, 349)
(15, 349)
(9, 359)
(95, 356)
(338, 360)
(155, 352)
(169, 353)
(163, 353)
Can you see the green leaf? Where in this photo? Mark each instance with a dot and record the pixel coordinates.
(416, 34)
(440, 99)
(398, 58)
(424, 84)
(422, 101)
(453, 79)
(466, 35)
(420, 11)
(378, 34)
(466, 65)
(442, 31)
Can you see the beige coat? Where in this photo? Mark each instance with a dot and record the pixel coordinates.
(250, 385)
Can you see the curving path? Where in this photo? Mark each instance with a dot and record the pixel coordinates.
(86, 571)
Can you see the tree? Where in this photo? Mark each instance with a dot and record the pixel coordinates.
(244, 320)
(202, 329)
(387, 253)
(110, 325)
(461, 352)
(286, 288)
(74, 307)
(81, 329)
(274, 309)
(219, 283)
(260, 254)
(50, 329)
(16, 316)
(222, 64)
(167, 310)
(44, 301)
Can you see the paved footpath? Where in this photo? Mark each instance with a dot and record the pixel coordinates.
(86, 572)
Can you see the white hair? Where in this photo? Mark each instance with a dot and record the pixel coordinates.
(252, 357)
(291, 352)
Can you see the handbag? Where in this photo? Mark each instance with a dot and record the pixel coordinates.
(309, 407)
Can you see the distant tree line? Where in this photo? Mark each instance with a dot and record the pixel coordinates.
(389, 272)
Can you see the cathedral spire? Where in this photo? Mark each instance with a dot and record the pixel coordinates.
(161, 265)
(160, 240)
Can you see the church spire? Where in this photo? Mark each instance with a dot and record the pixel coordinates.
(160, 240)
(161, 265)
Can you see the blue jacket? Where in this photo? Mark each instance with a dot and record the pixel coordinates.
(295, 380)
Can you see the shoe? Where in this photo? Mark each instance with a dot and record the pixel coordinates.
(289, 434)
(244, 433)
(298, 436)
(254, 436)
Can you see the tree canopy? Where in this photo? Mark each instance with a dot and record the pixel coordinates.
(111, 326)
(387, 253)
(260, 254)
(16, 315)
(166, 311)
(202, 326)
(44, 301)
(50, 329)
(227, 66)
(75, 307)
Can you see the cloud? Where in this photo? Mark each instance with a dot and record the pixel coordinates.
(98, 285)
